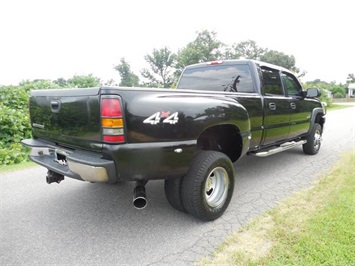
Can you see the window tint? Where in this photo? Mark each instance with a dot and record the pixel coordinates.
(291, 84)
(272, 82)
(235, 78)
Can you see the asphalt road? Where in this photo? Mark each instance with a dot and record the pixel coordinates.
(82, 223)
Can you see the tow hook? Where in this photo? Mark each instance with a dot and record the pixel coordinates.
(54, 177)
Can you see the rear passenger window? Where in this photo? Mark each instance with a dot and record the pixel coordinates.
(272, 84)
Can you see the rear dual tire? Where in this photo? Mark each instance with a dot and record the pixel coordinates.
(206, 189)
(172, 189)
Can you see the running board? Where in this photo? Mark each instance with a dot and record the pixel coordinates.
(283, 147)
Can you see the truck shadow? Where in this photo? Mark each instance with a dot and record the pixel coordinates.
(87, 203)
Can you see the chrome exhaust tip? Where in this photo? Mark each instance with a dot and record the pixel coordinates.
(139, 197)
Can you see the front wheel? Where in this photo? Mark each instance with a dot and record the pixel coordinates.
(314, 140)
(208, 186)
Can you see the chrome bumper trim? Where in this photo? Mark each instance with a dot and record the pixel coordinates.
(88, 172)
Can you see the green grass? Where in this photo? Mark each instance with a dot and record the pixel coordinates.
(338, 106)
(313, 227)
(15, 167)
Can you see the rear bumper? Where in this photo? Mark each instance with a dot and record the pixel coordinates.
(78, 164)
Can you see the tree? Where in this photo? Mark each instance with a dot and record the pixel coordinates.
(350, 78)
(337, 90)
(161, 64)
(250, 50)
(206, 47)
(110, 82)
(246, 49)
(280, 59)
(128, 78)
(61, 82)
(83, 81)
(38, 84)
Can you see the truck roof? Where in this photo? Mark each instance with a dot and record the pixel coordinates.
(240, 61)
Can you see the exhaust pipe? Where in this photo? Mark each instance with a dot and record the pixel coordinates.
(139, 197)
(54, 177)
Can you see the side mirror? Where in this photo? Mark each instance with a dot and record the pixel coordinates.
(313, 92)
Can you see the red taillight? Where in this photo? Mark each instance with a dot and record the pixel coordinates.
(118, 139)
(112, 123)
(111, 107)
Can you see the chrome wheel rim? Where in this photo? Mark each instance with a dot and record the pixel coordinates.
(317, 139)
(216, 187)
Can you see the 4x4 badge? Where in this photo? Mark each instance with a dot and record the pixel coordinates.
(155, 118)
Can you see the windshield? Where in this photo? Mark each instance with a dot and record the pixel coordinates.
(230, 78)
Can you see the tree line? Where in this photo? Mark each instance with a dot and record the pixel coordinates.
(166, 66)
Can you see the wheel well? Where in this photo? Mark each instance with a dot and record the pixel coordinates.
(222, 138)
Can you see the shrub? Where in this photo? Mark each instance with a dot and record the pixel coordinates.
(14, 117)
(14, 124)
(339, 95)
(13, 154)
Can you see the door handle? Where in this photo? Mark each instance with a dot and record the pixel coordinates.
(272, 106)
(293, 106)
(55, 106)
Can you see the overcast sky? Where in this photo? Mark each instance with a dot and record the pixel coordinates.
(48, 39)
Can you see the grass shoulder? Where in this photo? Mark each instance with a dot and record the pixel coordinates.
(338, 106)
(15, 167)
(313, 227)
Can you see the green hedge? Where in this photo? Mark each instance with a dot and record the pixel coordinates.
(14, 124)
(14, 116)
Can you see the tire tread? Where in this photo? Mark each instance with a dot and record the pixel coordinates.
(194, 180)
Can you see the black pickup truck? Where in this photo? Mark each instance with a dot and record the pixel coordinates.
(190, 136)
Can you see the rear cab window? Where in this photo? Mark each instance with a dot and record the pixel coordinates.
(221, 77)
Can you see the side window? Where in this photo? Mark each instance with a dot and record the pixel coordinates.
(272, 82)
(291, 84)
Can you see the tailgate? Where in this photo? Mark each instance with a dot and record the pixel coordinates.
(69, 117)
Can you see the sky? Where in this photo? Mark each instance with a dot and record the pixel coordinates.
(48, 39)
